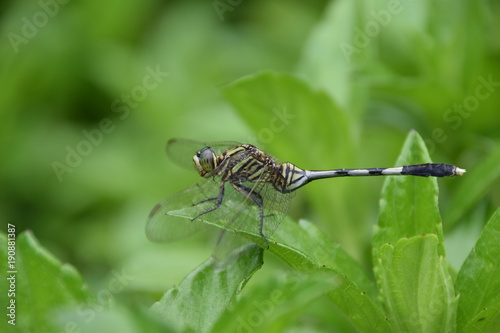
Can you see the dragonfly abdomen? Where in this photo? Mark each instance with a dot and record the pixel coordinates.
(288, 177)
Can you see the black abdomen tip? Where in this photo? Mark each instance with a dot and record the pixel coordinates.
(430, 169)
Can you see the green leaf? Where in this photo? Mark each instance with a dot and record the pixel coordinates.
(329, 59)
(413, 278)
(277, 106)
(305, 247)
(415, 285)
(479, 180)
(365, 314)
(478, 283)
(270, 307)
(409, 205)
(198, 302)
(118, 318)
(43, 285)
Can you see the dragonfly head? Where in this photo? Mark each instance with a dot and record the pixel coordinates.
(205, 161)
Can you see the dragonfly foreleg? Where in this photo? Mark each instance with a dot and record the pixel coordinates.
(257, 199)
(217, 205)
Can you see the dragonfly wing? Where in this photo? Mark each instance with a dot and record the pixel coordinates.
(245, 213)
(171, 219)
(276, 207)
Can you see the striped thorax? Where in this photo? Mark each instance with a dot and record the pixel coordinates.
(240, 164)
(247, 163)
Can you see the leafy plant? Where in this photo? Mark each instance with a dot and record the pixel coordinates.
(42, 286)
(345, 96)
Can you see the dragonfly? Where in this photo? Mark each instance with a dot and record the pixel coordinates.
(247, 190)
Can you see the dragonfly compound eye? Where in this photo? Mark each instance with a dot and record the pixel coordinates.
(205, 161)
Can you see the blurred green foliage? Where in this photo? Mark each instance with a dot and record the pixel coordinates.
(85, 118)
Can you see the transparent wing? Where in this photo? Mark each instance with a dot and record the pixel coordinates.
(276, 206)
(181, 151)
(170, 219)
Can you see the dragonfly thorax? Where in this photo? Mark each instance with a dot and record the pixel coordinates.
(205, 161)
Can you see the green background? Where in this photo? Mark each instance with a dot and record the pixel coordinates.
(384, 68)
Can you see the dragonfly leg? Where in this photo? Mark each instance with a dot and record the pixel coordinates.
(257, 199)
(217, 205)
(205, 200)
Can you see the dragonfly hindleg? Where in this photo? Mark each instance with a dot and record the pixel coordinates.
(257, 199)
